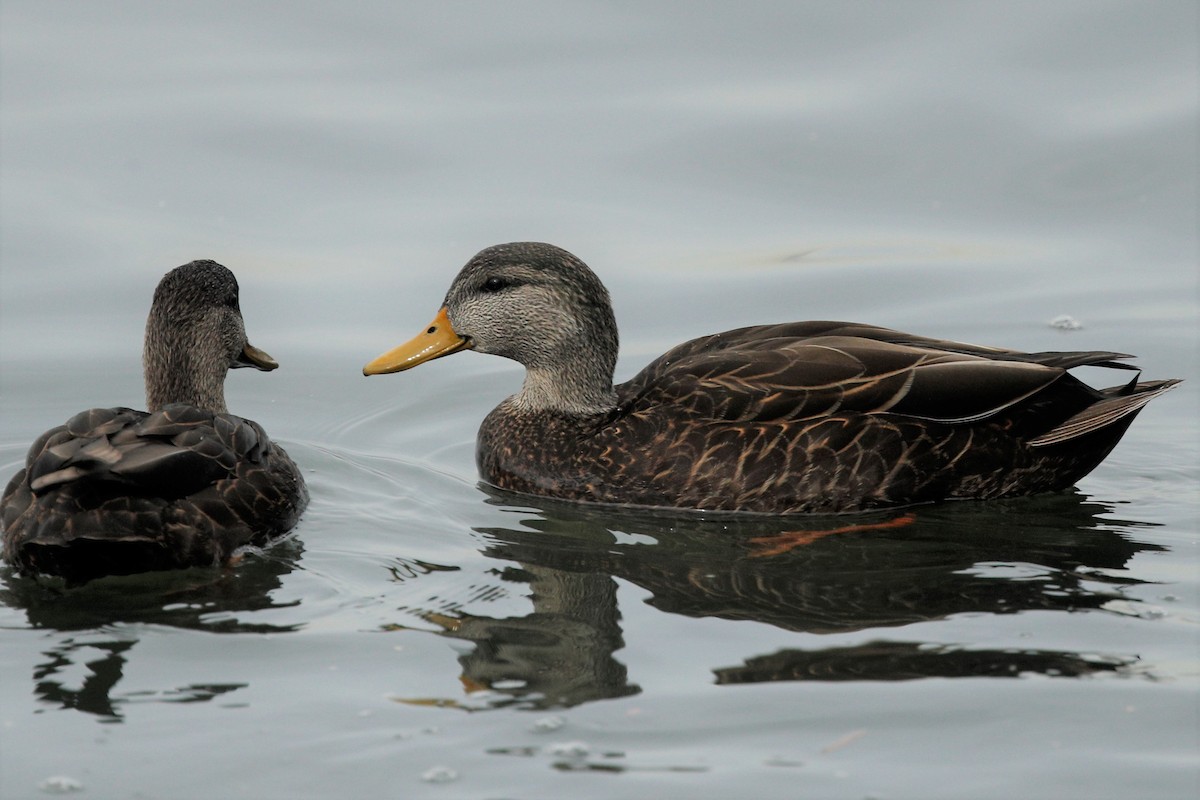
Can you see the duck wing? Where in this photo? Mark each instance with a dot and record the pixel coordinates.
(173, 452)
(799, 371)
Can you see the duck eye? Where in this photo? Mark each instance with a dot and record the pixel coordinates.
(495, 284)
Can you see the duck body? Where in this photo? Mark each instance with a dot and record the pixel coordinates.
(817, 417)
(806, 417)
(117, 491)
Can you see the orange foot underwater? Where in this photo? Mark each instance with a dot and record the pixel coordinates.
(774, 545)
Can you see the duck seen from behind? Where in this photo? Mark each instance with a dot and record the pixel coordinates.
(788, 418)
(117, 491)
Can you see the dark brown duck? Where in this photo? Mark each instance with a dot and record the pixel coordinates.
(797, 417)
(116, 491)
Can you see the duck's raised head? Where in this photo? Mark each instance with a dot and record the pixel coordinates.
(194, 335)
(536, 304)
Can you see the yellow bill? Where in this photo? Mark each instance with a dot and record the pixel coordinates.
(437, 340)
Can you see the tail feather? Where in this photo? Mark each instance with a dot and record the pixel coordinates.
(1119, 403)
(1072, 359)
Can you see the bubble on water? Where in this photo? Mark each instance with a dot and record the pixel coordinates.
(60, 784)
(574, 749)
(1065, 322)
(548, 724)
(439, 774)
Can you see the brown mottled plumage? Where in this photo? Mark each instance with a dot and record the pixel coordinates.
(116, 491)
(798, 417)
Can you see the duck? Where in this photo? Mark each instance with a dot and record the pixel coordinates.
(792, 418)
(118, 491)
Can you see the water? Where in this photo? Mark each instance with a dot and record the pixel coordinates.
(972, 171)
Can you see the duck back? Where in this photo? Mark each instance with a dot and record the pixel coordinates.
(117, 491)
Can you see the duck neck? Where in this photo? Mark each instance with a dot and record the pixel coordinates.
(177, 373)
(580, 389)
(572, 373)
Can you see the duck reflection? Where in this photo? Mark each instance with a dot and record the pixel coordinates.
(560, 655)
(99, 622)
(900, 661)
(812, 575)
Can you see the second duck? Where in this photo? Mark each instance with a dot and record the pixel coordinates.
(795, 417)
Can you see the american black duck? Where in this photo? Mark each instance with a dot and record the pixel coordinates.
(116, 491)
(796, 417)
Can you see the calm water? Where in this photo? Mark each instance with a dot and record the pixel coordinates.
(969, 170)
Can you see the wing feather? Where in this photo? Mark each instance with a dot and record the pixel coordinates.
(797, 371)
(164, 453)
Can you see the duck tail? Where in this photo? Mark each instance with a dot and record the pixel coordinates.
(1072, 359)
(1117, 403)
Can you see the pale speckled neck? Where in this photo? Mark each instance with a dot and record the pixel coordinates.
(565, 391)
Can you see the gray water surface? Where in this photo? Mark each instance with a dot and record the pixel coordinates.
(966, 170)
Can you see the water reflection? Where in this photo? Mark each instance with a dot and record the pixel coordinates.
(813, 576)
(901, 661)
(559, 655)
(101, 621)
(102, 662)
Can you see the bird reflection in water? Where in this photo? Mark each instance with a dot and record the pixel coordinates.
(99, 623)
(813, 576)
